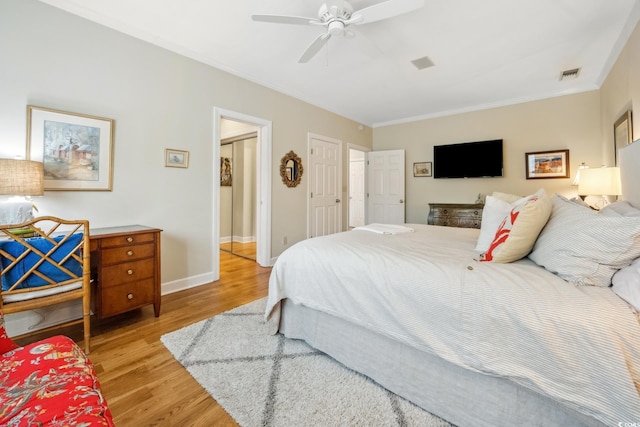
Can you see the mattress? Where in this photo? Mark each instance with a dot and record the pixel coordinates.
(427, 290)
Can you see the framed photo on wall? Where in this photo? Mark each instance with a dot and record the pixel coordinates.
(226, 179)
(622, 133)
(422, 169)
(76, 149)
(176, 158)
(547, 164)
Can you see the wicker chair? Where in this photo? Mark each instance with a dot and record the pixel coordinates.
(44, 262)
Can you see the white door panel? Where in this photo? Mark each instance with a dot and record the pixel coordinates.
(356, 193)
(386, 171)
(325, 212)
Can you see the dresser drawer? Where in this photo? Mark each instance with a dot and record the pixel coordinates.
(127, 296)
(127, 239)
(127, 253)
(127, 272)
(125, 264)
(455, 215)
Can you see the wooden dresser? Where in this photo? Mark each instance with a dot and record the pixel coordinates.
(455, 214)
(125, 266)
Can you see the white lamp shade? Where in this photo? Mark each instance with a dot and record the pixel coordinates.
(600, 182)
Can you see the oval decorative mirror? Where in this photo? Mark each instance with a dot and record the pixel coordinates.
(291, 169)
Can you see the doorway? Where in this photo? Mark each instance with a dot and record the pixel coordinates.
(263, 190)
(325, 183)
(357, 185)
(238, 185)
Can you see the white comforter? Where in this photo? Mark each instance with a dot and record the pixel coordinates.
(578, 345)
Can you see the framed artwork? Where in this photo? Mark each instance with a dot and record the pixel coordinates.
(422, 169)
(225, 172)
(622, 133)
(176, 158)
(547, 164)
(76, 149)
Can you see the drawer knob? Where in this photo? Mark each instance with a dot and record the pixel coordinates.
(129, 239)
(129, 272)
(129, 296)
(129, 253)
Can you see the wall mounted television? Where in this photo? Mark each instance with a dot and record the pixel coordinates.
(481, 159)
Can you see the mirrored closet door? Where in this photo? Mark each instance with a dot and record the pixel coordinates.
(238, 195)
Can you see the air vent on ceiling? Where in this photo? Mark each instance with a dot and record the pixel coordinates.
(570, 74)
(422, 63)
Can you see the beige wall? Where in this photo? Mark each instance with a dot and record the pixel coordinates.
(567, 122)
(162, 100)
(159, 100)
(619, 92)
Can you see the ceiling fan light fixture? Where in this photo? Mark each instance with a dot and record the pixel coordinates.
(422, 63)
(570, 74)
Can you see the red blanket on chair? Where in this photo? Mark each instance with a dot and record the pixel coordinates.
(49, 383)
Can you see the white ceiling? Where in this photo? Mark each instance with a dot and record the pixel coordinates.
(486, 52)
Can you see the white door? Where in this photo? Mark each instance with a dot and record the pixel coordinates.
(356, 188)
(385, 174)
(325, 166)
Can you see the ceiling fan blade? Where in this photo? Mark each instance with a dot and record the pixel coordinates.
(384, 10)
(314, 47)
(279, 19)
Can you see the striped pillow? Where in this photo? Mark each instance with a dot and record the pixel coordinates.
(584, 246)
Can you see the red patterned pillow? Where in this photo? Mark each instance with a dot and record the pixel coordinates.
(518, 232)
(6, 343)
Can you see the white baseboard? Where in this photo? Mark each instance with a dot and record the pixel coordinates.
(186, 283)
(34, 320)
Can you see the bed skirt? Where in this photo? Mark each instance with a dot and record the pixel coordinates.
(462, 397)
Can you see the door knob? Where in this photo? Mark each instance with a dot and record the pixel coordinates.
(401, 201)
(337, 200)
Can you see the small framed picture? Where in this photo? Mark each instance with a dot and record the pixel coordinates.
(226, 180)
(547, 164)
(176, 158)
(422, 169)
(622, 133)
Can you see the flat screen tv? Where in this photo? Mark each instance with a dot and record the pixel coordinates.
(482, 159)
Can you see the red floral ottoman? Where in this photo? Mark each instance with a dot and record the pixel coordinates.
(49, 383)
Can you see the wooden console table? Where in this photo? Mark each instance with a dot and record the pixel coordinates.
(455, 214)
(125, 266)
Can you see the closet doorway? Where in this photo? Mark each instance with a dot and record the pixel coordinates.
(238, 188)
(263, 174)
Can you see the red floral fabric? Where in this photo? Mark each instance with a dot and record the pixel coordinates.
(51, 383)
(6, 343)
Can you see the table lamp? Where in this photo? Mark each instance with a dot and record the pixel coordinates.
(20, 179)
(604, 181)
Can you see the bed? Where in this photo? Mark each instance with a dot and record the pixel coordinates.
(537, 340)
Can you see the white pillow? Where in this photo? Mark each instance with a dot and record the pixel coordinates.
(584, 246)
(509, 198)
(493, 213)
(626, 283)
(621, 208)
(519, 230)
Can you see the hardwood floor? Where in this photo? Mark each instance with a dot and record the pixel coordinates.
(142, 382)
(247, 250)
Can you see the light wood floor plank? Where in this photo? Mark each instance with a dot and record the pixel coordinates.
(142, 382)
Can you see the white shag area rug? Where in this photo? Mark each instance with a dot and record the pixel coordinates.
(269, 380)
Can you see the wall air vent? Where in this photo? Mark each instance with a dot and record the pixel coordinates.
(570, 74)
(422, 63)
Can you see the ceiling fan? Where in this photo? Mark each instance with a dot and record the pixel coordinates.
(336, 17)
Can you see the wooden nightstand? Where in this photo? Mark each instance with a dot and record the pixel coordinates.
(125, 266)
(455, 214)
